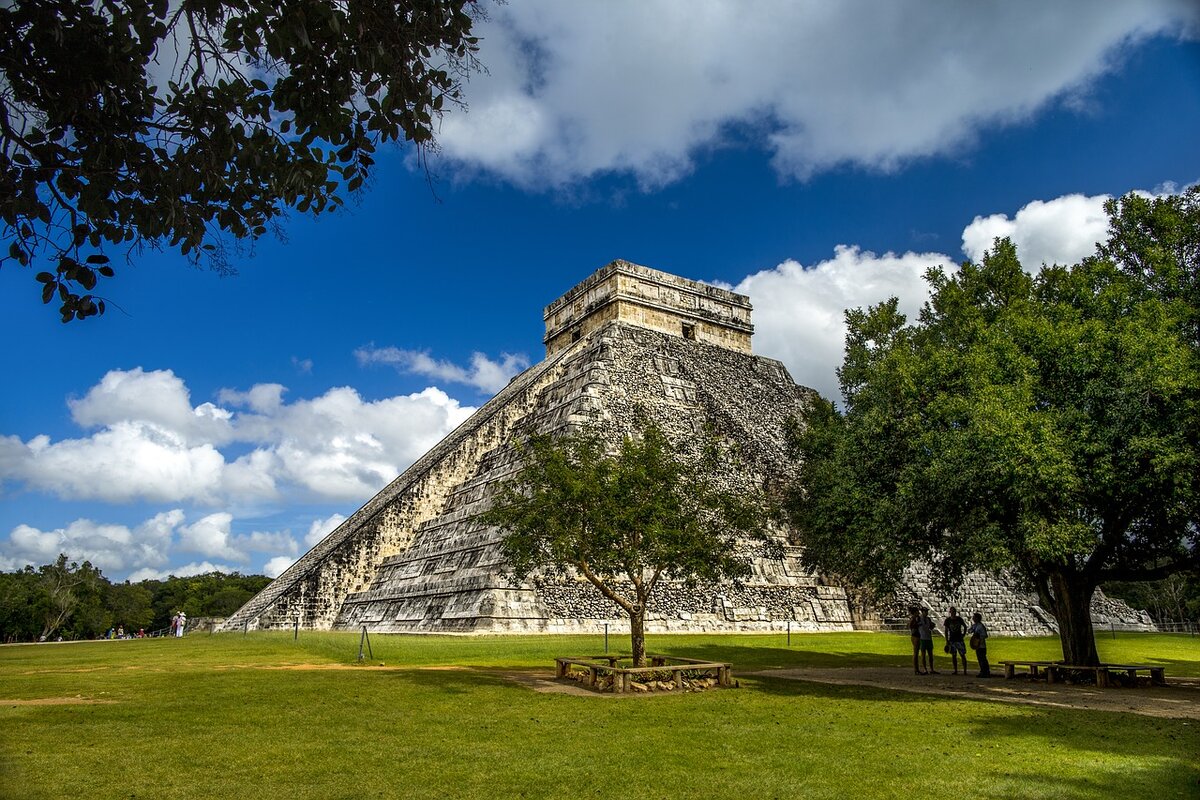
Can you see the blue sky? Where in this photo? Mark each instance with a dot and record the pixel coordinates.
(814, 157)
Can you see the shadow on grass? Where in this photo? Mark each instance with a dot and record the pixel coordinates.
(1158, 754)
(752, 658)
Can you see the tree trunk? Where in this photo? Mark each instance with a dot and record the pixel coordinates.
(1073, 610)
(637, 634)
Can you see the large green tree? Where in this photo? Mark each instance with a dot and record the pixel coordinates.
(193, 123)
(1047, 426)
(625, 520)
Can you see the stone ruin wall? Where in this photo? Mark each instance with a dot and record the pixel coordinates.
(450, 580)
(413, 559)
(313, 589)
(1006, 610)
(650, 299)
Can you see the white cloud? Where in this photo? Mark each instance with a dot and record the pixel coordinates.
(574, 89)
(158, 399)
(1064, 230)
(210, 536)
(484, 373)
(320, 528)
(799, 311)
(1060, 231)
(275, 566)
(129, 460)
(155, 446)
(112, 548)
(144, 550)
(185, 571)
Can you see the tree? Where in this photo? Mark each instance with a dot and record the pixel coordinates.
(1044, 425)
(126, 123)
(624, 520)
(17, 596)
(63, 589)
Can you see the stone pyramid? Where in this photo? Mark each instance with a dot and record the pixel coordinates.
(627, 343)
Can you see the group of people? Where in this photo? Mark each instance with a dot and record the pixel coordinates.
(119, 633)
(956, 630)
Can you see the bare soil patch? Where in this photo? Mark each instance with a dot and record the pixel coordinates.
(1180, 698)
(57, 701)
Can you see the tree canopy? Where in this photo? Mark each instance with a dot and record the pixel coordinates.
(76, 601)
(1043, 425)
(624, 520)
(188, 124)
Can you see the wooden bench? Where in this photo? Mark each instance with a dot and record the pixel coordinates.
(1034, 668)
(1158, 675)
(1056, 671)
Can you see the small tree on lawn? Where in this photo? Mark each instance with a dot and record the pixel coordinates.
(624, 520)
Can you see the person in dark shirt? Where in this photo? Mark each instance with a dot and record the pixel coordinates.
(955, 628)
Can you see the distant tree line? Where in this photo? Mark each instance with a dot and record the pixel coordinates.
(76, 601)
(1172, 600)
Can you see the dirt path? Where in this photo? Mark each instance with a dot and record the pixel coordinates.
(1180, 698)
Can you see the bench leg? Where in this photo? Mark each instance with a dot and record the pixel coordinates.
(1158, 676)
(1102, 678)
(1051, 675)
(1009, 671)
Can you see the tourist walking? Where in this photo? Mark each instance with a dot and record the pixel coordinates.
(181, 625)
(914, 632)
(925, 630)
(955, 628)
(979, 637)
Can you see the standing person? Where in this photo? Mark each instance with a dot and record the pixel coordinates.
(914, 625)
(979, 637)
(174, 623)
(925, 628)
(956, 628)
(182, 624)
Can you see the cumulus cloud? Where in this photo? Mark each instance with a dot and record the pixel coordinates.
(112, 548)
(275, 566)
(320, 528)
(799, 310)
(185, 571)
(484, 373)
(154, 445)
(145, 550)
(210, 536)
(1060, 231)
(639, 87)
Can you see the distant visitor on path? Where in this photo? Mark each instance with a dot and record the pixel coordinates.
(181, 624)
(914, 632)
(925, 629)
(979, 636)
(956, 629)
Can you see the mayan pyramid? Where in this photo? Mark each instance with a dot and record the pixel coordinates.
(627, 343)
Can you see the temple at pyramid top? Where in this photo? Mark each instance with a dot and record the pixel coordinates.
(645, 297)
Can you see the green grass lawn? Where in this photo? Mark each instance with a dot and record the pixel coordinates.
(205, 717)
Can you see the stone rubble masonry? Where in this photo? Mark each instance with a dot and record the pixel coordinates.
(1006, 610)
(650, 346)
(650, 299)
